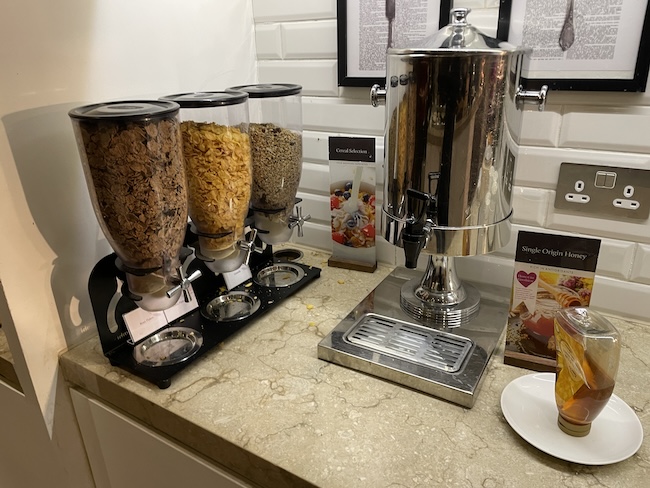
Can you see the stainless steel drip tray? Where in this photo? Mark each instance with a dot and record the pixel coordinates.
(379, 339)
(411, 342)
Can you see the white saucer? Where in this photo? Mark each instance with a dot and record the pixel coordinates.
(528, 404)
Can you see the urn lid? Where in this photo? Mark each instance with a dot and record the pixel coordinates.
(458, 36)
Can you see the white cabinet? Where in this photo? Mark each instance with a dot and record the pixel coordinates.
(124, 454)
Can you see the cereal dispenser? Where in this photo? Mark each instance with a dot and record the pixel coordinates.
(133, 164)
(146, 171)
(217, 151)
(276, 144)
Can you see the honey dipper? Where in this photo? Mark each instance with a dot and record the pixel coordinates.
(567, 298)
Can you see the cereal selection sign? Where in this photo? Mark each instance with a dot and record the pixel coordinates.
(352, 202)
(552, 272)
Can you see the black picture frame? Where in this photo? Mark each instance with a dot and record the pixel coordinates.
(636, 82)
(345, 78)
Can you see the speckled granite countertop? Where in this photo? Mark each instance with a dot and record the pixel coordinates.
(264, 406)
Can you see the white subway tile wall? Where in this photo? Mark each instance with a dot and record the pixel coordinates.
(606, 128)
(529, 205)
(318, 75)
(268, 40)
(540, 166)
(296, 42)
(341, 115)
(290, 10)
(541, 128)
(641, 265)
(312, 40)
(474, 4)
(483, 19)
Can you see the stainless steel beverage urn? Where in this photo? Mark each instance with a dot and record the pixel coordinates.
(451, 100)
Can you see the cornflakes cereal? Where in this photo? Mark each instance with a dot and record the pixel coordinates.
(218, 160)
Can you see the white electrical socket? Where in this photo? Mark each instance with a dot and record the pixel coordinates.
(629, 204)
(577, 198)
(605, 191)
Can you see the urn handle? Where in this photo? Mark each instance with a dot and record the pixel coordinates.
(531, 96)
(377, 95)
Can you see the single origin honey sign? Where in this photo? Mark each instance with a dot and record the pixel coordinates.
(552, 272)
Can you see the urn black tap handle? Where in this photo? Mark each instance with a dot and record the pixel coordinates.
(428, 208)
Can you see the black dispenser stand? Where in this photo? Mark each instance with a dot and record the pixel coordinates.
(110, 304)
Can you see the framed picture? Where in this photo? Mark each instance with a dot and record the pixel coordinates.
(363, 32)
(580, 44)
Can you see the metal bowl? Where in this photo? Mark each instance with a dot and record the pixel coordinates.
(279, 275)
(235, 305)
(170, 346)
(287, 255)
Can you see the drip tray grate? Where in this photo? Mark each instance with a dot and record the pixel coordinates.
(379, 338)
(411, 342)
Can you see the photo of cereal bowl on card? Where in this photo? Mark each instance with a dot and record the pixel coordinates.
(352, 206)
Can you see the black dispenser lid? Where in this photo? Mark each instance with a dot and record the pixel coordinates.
(269, 90)
(208, 99)
(131, 110)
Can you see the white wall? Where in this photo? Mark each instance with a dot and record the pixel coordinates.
(55, 56)
(296, 42)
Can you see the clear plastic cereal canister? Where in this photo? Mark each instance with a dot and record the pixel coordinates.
(132, 159)
(276, 142)
(217, 152)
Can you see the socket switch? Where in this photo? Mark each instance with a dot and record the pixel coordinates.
(604, 191)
